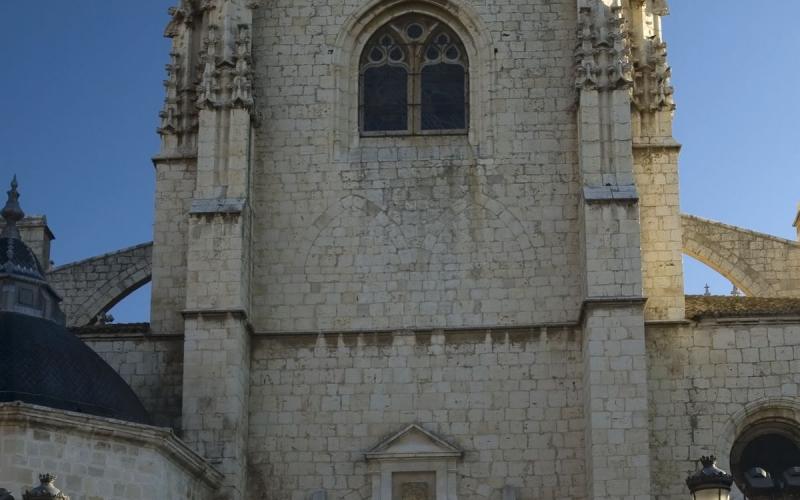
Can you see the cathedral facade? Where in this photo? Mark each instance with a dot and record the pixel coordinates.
(421, 250)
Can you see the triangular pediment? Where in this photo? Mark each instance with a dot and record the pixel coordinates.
(413, 442)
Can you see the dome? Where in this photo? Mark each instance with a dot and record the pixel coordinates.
(42, 363)
(17, 258)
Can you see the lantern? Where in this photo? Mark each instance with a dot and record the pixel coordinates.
(710, 482)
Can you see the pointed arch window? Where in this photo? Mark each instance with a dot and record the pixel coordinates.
(414, 79)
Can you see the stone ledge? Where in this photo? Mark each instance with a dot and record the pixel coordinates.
(600, 194)
(112, 329)
(218, 206)
(158, 438)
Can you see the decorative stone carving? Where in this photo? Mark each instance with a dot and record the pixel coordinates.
(425, 462)
(603, 56)
(587, 71)
(209, 80)
(181, 15)
(170, 113)
(660, 7)
(241, 83)
(45, 491)
(415, 491)
(184, 15)
(653, 90)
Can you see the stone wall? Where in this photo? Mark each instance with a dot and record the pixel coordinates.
(383, 232)
(98, 458)
(151, 365)
(706, 382)
(512, 400)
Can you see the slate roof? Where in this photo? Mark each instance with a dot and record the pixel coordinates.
(18, 259)
(42, 363)
(722, 306)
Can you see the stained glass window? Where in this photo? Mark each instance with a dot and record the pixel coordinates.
(414, 78)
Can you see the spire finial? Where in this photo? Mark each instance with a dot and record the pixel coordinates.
(12, 212)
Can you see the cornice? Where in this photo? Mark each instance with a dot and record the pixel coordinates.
(159, 438)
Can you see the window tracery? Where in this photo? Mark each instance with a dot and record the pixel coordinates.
(413, 79)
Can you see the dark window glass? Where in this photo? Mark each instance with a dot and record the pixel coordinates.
(413, 79)
(772, 452)
(385, 98)
(443, 97)
(26, 297)
(414, 31)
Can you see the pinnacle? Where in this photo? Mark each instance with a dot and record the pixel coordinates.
(12, 212)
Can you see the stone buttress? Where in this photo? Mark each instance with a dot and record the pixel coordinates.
(655, 162)
(615, 371)
(201, 252)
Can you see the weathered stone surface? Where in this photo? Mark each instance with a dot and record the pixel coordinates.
(95, 457)
(93, 286)
(759, 264)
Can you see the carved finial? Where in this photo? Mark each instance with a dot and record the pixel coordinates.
(45, 491)
(735, 292)
(170, 113)
(12, 212)
(603, 54)
(208, 86)
(708, 290)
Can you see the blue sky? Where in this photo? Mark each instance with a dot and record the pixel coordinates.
(82, 90)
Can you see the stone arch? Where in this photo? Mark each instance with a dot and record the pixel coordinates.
(112, 292)
(95, 285)
(727, 264)
(786, 409)
(346, 204)
(492, 206)
(759, 264)
(699, 244)
(359, 27)
(781, 410)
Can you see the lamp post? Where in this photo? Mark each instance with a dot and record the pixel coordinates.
(710, 482)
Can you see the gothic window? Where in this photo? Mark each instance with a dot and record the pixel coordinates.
(414, 79)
